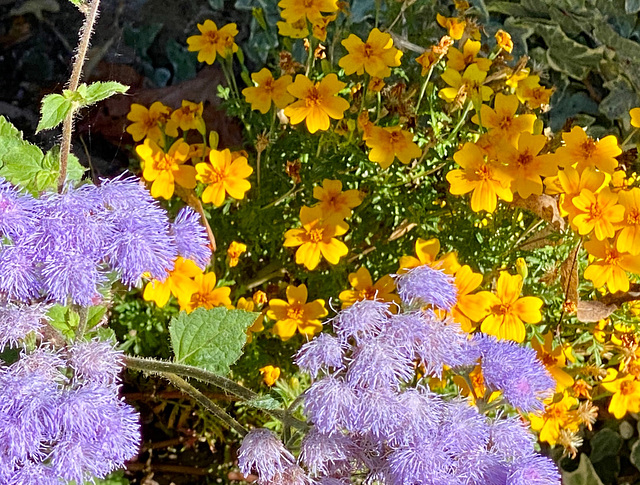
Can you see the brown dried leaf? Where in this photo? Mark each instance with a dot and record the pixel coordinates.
(540, 239)
(544, 206)
(593, 311)
(569, 278)
(404, 227)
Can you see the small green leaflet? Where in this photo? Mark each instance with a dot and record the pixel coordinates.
(210, 339)
(54, 110)
(102, 90)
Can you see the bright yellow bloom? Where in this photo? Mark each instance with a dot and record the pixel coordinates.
(268, 90)
(554, 359)
(468, 308)
(375, 56)
(166, 169)
(629, 237)
(468, 85)
(598, 212)
(556, 416)
(365, 289)
(503, 39)
(224, 175)
(486, 179)
(213, 41)
(375, 85)
(259, 297)
(180, 283)
(234, 252)
(317, 102)
(270, 374)
(319, 28)
(296, 313)
(333, 201)
(572, 183)
(461, 60)
(146, 122)
(586, 152)
(531, 92)
(317, 238)
(626, 393)
(507, 311)
(207, 295)
(455, 26)
(502, 121)
(610, 266)
(635, 117)
(296, 30)
(390, 142)
(515, 77)
(258, 324)
(430, 57)
(187, 117)
(295, 10)
(427, 253)
(525, 166)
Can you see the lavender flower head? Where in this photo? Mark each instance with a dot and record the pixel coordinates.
(262, 452)
(17, 321)
(191, 237)
(325, 454)
(97, 362)
(425, 285)
(322, 353)
(15, 211)
(534, 470)
(361, 320)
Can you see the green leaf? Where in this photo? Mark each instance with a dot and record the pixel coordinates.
(55, 108)
(10, 137)
(632, 6)
(102, 90)
(21, 164)
(51, 168)
(604, 444)
(183, 61)
(265, 402)
(62, 319)
(583, 475)
(634, 456)
(95, 315)
(210, 339)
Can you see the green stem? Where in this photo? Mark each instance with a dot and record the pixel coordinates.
(310, 55)
(628, 138)
(83, 313)
(460, 123)
(424, 88)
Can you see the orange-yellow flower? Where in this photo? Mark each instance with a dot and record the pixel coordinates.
(206, 295)
(610, 266)
(531, 92)
(166, 169)
(525, 166)
(430, 57)
(390, 142)
(296, 314)
(295, 10)
(224, 175)
(554, 359)
(267, 91)
(234, 252)
(461, 60)
(333, 201)
(317, 238)
(187, 117)
(270, 374)
(626, 393)
(146, 122)
(427, 253)
(571, 184)
(455, 26)
(258, 324)
(486, 179)
(597, 212)
(503, 39)
(468, 85)
(635, 117)
(365, 289)
(375, 56)
(317, 102)
(557, 415)
(586, 152)
(502, 121)
(468, 308)
(213, 41)
(180, 283)
(507, 311)
(295, 30)
(629, 237)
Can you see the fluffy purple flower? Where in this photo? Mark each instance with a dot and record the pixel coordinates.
(96, 362)
(421, 412)
(425, 285)
(71, 276)
(291, 475)
(19, 278)
(463, 429)
(191, 237)
(16, 321)
(534, 470)
(510, 439)
(31, 473)
(361, 320)
(16, 218)
(325, 454)
(377, 364)
(329, 404)
(421, 463)
(263, 453)
(376, 414)
(322, 353)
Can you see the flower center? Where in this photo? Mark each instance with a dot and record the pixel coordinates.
(483, 172)
(313, 97)
(524, 159)
(367, 51)
(501, 309)
(505, 122)
(626, 387)
(202, 299)
(633, 217)
(307, 3)
(367, 293)
(588, 148)
(214, 176)
(595, 211)
(295, 312)
(611, 256)
(268, 86)
(395, 137)
(211, 36)
(548, 360)
(163, 163)
(315, 235)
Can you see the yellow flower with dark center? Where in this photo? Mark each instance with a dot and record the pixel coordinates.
(530, 91)
(469, 85)
(506, 311)
(317, 102)
(317, 238)
(147, 122)
(224, 175)
(390, 142)
(427, 253)
(554, 359)
(586, 152)
(635, 117)
(179, 283)
(626, 393)
(296, 314)
(365, 289)
(165, 170)
(461, 60)
(486, 180)
(629, 237)
(598, 212)
(187, 117)
(295, 30)
(503, 39)
(207, 295)
(502, 121)
(213, 41)
(295, 10)
(610, 266)
(375, 56)
(333, 201)
(455, 26)
(556, 416)
(267, 91)
(234, 252)
(270, 374)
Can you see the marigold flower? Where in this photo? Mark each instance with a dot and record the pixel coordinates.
(333, 201)
(375, 56)
(179, 283)
(187, 117)
(461, 60)
(223, 175)
(468, 308)
(316, 238)
(554, 360)
(514, 78)
(213, 41)
(629, 236)
(260, 297)
(598, 212)
(626, 393)
(462, 86)
(166, 169)
(268, 90)
(502, 121)
(427, 253)
(296, 313)
(319, 30)
(295, 30)
(207, 295)
(503, 39)
(295, 10)
(507, 311)
(586, 152)
(635, 117)
(387, 143)
(234, 252)
(530, 91)
(365, 289)
(270, 374)
(610, 266)
(571, 183)
(455, 26)
(556, 416)
(258, 324)
(317, 102)
(146, 122)
(486, 179)
(375, 85)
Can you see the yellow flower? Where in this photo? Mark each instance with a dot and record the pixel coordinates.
(317, 102)
(270, 374)
(430, 57)
(267, 91)
(296, 313)
(557, 415)
(626, 393)
(507, 311)
(502, 122)
(234, 252)
(586, 152)
(531, 92)
(503, 39)
(316, 238)
(598, 212)
(365, 289)
(635, 117)
(295, 30)
(213, 41)
(629, 236)
(319, 28)
(461, 60)
(166, 169)
(259, 297)
(375, 85)
(468, 308)
(455, 26)
(610, 266)
(515, 77)
(375, 56)
(572, 183)
(180, 283)
(554, 359)
(468, 85)
(486, 179)
(258, 324)
(333, 201)
(387, 143)
(146, 122)
(295, 10)
(187, 117)
(427, 253)
(207, 295)
(223, 175)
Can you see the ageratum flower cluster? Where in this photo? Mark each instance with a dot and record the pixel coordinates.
(370, 422)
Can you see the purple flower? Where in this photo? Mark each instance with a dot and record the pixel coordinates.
(322, 353)
(191, 237)
(16, 321)
(510, 438)
(325, 454)
(421, 412)
(361, 320)
(425, 285)
(376, 363)
(291, 475)
(71, 276)
(18, 276)
(463, 429)
(30, 473)
(16, 218)
(329, 404)
(376, 414)
(534, 470)
(96, 362)
(262, 452)
(421, 463)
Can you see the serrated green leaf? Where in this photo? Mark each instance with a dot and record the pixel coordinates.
(10, 137)
(102, 90)
(95, 315)
(51, 169)
(59, 319)
(21, 164)
(210, 339)
(583, 475)
(55, 108)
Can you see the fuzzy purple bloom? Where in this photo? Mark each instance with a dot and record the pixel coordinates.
(31, 473)
(376, 414)
(377, 364)
(329, 404)
(534, 470)
(421, 412)
(510, 438)
(18, 275)
(191, 237)
(322, 353)
(361, 320)
(324, 454)
(263, 453)
(71, 276)
(425, 285)
(16, 218)
(96, 362)
(421, 463)
(16, 321)
(291, 475)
